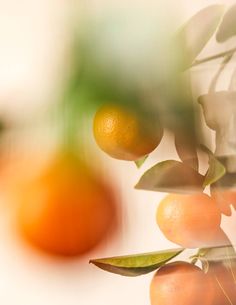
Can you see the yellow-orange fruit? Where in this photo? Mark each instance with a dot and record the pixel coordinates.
(124, 133)
(67, 210)
(181, 283)
(189, 220)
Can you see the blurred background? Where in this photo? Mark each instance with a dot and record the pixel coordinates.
(43, 46)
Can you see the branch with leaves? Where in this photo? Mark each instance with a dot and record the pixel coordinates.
(183, 177)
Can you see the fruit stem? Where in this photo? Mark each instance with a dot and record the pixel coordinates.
(71, 106)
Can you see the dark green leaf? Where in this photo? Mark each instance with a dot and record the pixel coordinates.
(227, 28)
(197, 31)
(171, 176)
(137, 264)
(140, 162)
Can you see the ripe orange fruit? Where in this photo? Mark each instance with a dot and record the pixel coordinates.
(67, 210)
(181, 283)
(225, 198)
(125, 134)
(189, 220)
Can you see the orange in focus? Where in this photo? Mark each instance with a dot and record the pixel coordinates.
(191, 221)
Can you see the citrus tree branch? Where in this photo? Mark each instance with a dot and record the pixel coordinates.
(213, 57)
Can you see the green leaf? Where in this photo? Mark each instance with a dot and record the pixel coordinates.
(196, 32)
(227, 28)
(171, 176)
(216, 169)
(140, 162)
(228, 181)
(137, 264)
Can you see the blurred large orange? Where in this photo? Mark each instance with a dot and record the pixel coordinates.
(189, 220)
(126, 134)
(67, 210)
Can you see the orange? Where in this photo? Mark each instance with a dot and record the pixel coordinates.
(181, 283)
(224, 277)
(189, 220)
(125, 134)
(66, 210)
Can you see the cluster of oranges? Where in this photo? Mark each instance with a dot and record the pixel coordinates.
(192, 221)
(189, 220)
(68, 210)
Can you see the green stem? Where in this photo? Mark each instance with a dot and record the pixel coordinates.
(232, 84)
(69, 108)
(213, 57)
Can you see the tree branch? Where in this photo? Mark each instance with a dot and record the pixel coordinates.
(213, 57)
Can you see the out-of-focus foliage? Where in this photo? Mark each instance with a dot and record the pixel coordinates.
(186, 149)
(219, 113)
(168, 93)
(196, 32)
(227, 27)
(216, 169)
(171, 176)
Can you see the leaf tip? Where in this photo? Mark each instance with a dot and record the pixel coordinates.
(140, 161)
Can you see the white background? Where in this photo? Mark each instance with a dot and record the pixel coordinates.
(33, 42)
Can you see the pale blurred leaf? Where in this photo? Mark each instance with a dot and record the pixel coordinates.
(227, 28)
(216, 169)
(171, 176)
(196, 32)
